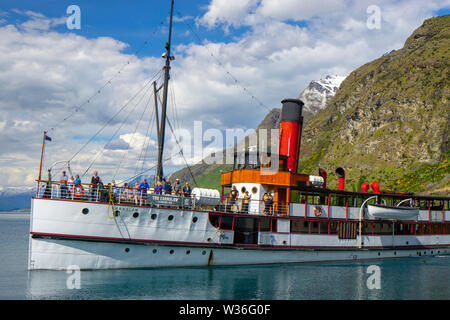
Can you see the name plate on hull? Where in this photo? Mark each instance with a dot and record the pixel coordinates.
(167, 200)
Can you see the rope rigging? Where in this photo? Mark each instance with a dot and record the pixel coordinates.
(108, 82)
(115, 115)
(118, 129)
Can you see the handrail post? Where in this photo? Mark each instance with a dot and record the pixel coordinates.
(360, 218)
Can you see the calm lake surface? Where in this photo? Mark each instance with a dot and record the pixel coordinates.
(405, 278)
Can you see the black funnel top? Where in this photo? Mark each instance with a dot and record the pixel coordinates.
(291, 110)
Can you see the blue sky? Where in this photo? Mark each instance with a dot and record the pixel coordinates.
(132, 22)
(263, 51)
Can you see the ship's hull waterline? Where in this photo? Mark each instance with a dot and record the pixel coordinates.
(63, 254)
(62, 236)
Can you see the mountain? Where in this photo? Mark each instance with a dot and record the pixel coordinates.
(15, 198)
(318, 93)
(389, 120)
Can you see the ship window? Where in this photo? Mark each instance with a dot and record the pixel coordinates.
(313, 227)
(377, 228)
(296, 225)
(323, 227)
(153, 216)
(194, 219)
(170, 218)
(264, 224)
(243, 189)
(85, 211)
(254, 190)
(333, 227)
(226, 223)
(136, 214)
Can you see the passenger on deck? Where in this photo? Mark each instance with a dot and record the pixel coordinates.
(77, 180)
(158, 188)
(177, 188)
(267, 204)
(124, 192)
(70, 184)
(136, 193)
(144, 187)
(167, 187)
(234, 194)
(187, 190)
(115, 189)
(246, 202)
(130, 194)
(63, 184)
(94, 187)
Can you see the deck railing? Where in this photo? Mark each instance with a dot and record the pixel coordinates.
(147, 197)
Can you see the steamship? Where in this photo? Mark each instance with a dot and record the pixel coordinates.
(303, 221)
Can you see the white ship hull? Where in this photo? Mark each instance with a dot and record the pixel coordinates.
(59, 255)
(62, 236)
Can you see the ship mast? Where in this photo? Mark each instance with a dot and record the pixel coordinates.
(166, 68)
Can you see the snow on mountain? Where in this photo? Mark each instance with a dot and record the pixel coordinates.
(13, 198)
(318, 93)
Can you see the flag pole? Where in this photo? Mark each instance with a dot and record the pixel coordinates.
(42, 153)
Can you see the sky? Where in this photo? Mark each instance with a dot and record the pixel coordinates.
(90, 86)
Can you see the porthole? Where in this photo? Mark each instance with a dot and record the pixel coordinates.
(116, 213)
(153, 216)
(154, 251)
(209, 239)
(407, 242)
(243, 189)
(85, 211)
(136, 214)
(203, 252)
(379, 253)
(171, 251)
(431, 252)
(284, 242)
(194, 219)
(127, 249)
(170, 218)
(395, 253)
(188, 251)
(254, 190)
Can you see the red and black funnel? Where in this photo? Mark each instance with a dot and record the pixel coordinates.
(340, 172)
(290, 131)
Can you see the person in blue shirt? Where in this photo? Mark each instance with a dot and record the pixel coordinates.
(167, 187)
(77, 180)
(144, 187)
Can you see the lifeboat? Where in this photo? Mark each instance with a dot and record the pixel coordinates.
(388, 212)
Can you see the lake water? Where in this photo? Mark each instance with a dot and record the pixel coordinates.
(404, 278)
